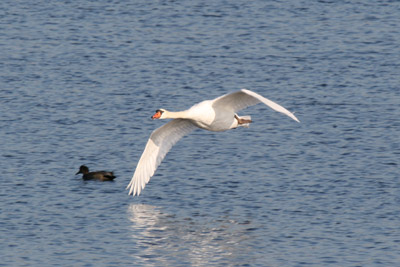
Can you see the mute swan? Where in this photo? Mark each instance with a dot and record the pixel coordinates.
(98, 175)
(216, 115)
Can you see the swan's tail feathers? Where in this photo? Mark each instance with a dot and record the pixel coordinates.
(244, 121)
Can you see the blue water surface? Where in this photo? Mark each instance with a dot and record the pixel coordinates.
(79, 81)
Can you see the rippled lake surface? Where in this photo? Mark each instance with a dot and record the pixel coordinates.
(79, 81)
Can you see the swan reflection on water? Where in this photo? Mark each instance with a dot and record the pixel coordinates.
(171, 239)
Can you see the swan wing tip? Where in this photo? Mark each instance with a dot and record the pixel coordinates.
(134, 190)
(294, 117)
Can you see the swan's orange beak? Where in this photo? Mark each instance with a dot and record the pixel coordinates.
(157, 115)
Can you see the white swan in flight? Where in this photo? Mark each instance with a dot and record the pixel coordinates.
(216, 115)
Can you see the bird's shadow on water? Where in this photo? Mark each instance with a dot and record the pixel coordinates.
(190, 240)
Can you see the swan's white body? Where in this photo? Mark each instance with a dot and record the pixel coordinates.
(216, 115)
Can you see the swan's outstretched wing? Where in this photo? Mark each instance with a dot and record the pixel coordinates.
(245, 98)
(160, 142)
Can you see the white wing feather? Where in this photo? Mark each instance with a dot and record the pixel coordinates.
(160, 142)
(245, 98)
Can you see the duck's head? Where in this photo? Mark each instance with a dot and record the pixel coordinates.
(83, 169)
(159, 114)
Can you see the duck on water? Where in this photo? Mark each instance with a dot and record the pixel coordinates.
(97, 175)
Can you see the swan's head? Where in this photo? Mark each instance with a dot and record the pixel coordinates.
(159, 114)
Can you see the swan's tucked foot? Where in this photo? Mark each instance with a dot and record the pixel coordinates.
(243, 121)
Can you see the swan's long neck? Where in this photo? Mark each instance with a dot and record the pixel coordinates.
(175, 115)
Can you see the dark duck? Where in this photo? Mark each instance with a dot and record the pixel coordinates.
(97, 175)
